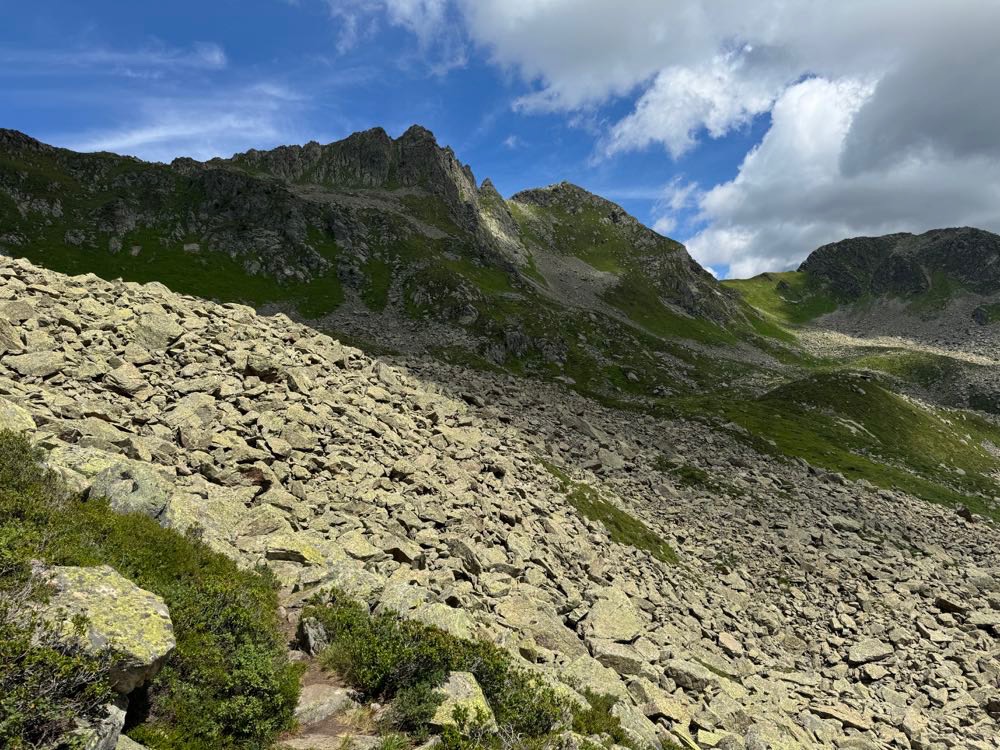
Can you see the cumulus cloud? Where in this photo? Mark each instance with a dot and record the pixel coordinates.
(791, 194)
(716, 96)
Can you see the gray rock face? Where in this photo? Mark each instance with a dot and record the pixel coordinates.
(904, 264)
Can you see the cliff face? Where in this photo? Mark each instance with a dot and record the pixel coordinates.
(907, 265)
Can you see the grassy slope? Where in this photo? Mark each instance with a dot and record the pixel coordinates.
(857, 426)
(228, 683)
(787, 298)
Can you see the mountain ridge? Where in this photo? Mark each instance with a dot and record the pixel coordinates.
(371, 224)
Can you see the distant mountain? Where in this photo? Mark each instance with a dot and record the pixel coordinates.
(907, 265)
(555, 280)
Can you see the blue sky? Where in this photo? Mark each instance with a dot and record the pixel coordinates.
(736, 144)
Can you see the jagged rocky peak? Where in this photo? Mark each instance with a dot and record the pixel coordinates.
(368, 159)
(16, 140)
(906, 265)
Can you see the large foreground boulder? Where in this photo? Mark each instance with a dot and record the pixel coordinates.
(133, 622)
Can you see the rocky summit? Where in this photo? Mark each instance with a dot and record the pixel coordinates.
(725, 594)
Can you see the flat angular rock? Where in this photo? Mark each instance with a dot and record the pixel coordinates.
(586, 673)
(126, 379)
(15, 418)
(132, 487)
(621, 657)
(542, 625)
(156, 331)
(689, 674)
(319, 702)
(614, 617)
(10, 339)
(844, 714)
(36, 364)
(869, 650)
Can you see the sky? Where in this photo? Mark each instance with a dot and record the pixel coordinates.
(753, 131)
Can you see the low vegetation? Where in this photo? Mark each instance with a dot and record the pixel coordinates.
(622, 528)
(854, 424)
(227, 684)
(791, 297)
(386, 658)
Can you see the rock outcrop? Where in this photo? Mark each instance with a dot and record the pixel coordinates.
(907, 265)
(119, 615)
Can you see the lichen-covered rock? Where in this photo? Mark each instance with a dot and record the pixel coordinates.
(14, 417)
(126, 743)
(133, 622)
(83, 461)
(132, 487)
(104, 734)
(462, 692)
(614, 617)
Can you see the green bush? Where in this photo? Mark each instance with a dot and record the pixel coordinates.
(598, 719)
(46, 684)
(228, 683)
(385, 657)
(413, 707)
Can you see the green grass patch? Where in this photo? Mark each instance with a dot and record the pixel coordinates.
(919, 368)
(990, 312)
(228, 683)
(583, 234)
(431, 210)
(792, 297)
(857, 426)
(943, 290)
(637, 297)
(378, 280)
(622, 527)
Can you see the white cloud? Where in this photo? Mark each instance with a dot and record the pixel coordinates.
(145, 60)
(792, 195)
(217, 124)
(717, 96)
(883, 112)
(440, 41)
(672, 203)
